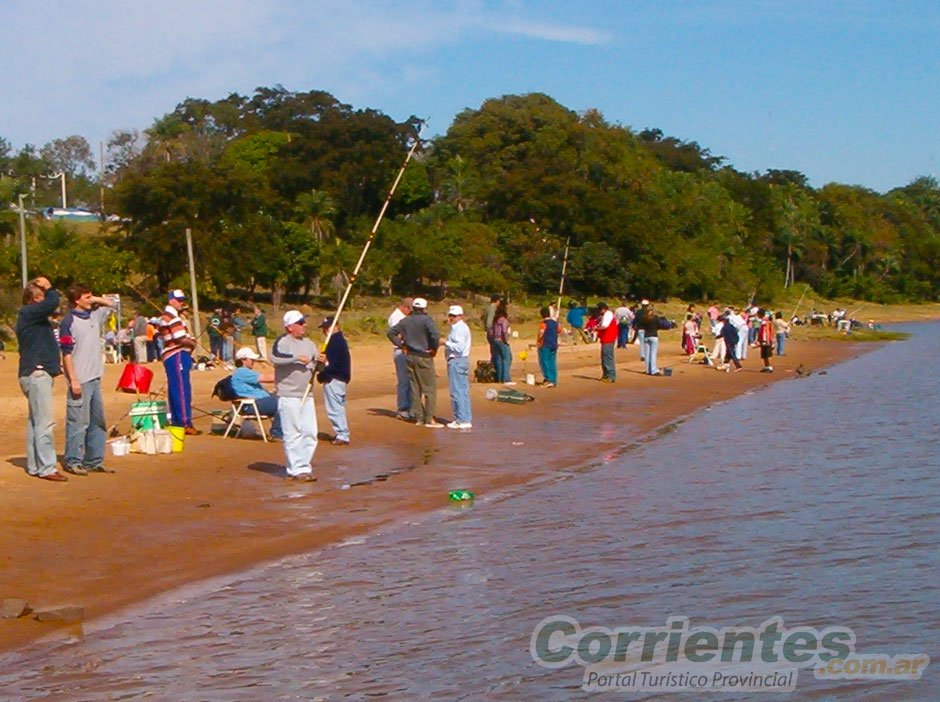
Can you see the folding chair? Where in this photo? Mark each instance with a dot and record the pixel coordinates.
(239, 406)
(701, 354)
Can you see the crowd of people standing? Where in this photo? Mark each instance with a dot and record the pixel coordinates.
(76, 348)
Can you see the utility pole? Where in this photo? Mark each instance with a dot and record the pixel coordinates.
(101, 175)
(22, 212)
(192, 282)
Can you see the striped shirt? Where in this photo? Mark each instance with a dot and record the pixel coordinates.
(173, 332)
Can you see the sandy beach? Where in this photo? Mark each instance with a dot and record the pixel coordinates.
(105, 541)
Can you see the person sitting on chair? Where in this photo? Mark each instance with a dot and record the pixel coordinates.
(246, 383)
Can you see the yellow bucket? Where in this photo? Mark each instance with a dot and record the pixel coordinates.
(178, 434)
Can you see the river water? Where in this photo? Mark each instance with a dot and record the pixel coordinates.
(815, 500)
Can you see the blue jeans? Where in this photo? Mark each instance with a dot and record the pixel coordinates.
(458, 378)
(85, 429)
(334, 401)
(267, 406)
(641, 337)
(780, 337)
(494, 351)
(623, 335)
(215, 346)
(403, 386)
(40, 445)
(548, 363)
(503, 361)
(652, 346)
(608, 368)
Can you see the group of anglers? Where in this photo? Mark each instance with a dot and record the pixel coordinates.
(78, 351)
(297, 362)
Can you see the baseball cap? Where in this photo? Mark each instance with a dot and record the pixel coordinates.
(455, 310)
(327, 321)
(420, 303)
(246, 354)
(644, 301)
(293, 317)
(176, 295)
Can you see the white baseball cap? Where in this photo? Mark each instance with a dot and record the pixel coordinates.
(176, 295)
(293, 317)
(455, 310)
(246, 354)
(644, 302)
(420, 303)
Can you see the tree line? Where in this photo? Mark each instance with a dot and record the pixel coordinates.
(280, 190)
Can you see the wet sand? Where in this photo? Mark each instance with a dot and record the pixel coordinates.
(105, 541)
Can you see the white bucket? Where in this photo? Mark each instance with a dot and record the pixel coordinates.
(120, 447)
(530, 378)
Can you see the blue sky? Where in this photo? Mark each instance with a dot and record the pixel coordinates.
(842, 91)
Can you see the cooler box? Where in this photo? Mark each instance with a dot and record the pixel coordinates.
(148, 415)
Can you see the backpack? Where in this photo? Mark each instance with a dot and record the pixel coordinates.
(484, 372)
(224, 390)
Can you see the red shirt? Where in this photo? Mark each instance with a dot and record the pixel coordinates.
(607, 334)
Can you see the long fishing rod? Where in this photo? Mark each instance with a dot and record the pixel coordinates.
(805, 290)
(365, 249)
(561, 284)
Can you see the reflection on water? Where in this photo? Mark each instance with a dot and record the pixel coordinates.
(815, 500)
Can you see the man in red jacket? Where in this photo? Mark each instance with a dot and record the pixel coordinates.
(607, 335)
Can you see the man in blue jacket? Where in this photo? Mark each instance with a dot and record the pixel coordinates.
(39, 365)
(335, 376)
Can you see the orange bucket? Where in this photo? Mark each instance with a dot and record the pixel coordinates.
(135, 378)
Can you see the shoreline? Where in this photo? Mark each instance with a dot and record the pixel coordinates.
(110, 541)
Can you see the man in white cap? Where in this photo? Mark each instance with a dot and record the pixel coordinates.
(403, 387)
(246, 383)
(640, 332)
(293, 355)
(457, 353)
(177, 357)
(417, 336)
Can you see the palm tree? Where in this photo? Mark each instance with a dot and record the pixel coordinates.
(316, 209)
(796, 217)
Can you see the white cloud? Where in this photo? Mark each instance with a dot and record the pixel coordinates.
(89, 66)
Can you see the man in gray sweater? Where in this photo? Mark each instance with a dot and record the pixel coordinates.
(418, 338)
(292, 356)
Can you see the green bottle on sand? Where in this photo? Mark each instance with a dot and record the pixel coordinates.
(460, 495)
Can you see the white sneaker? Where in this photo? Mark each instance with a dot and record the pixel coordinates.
(434, 425)
(459, 425)
(509, 382)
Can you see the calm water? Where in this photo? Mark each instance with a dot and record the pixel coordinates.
(815, 500)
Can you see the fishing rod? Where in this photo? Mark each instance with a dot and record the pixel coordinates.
(203, 331)
(365, 249)
(805, 290)
(564, 267)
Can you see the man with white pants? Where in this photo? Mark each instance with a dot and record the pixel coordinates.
(336, 374)
(739, 323)
(292, 356)
(457, 351)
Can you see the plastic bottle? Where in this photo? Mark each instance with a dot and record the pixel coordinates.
(460, 495)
